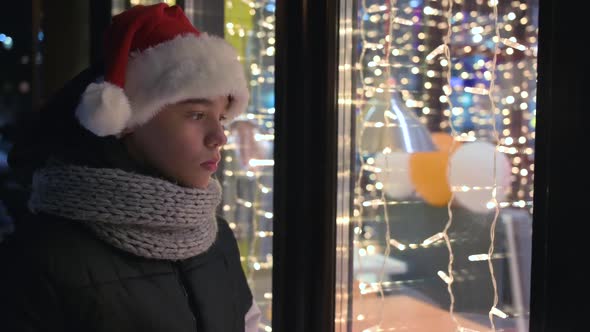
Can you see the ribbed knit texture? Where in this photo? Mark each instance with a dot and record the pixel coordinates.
(140, 214)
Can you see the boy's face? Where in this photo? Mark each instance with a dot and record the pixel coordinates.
(183, 141)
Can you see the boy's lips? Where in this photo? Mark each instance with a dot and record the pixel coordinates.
(210, 165)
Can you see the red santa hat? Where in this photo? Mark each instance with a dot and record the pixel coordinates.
(155, 57)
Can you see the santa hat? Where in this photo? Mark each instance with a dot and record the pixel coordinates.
(155, 57)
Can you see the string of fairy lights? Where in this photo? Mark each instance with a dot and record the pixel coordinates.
(448, 91)
(494, 309)
(507, 42)
(391, 7)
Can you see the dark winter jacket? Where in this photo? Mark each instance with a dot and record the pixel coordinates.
(58, 276)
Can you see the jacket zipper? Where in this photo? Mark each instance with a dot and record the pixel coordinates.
(182, 282)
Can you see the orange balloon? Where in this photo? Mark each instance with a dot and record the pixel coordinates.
(428, 171)
(444, 142)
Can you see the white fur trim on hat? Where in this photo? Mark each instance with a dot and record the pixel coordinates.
(104, 109)
(186, 67)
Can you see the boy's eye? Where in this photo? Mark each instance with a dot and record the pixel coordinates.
(197, 115)
(201, 115)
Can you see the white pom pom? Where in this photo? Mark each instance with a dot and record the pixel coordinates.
(104, 109)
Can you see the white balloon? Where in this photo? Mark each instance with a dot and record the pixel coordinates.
(395, 174)
(471, 175)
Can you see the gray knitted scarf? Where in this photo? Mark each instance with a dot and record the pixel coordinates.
(140, 214)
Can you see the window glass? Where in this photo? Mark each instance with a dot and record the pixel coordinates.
(437, 124)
